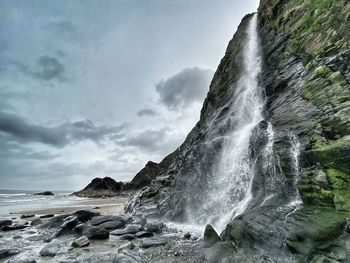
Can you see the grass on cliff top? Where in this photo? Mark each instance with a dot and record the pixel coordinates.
(315, 26)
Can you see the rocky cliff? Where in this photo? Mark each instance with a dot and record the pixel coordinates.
(305, 79)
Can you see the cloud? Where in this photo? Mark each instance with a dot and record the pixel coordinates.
(63, 28)
(46, 68)
(151, 140)
(146, 112)
(184, 88)
(49, 68)
(58, 136)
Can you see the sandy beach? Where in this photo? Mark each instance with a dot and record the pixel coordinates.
(113, 205)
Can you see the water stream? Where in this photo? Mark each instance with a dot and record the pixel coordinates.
(228, 192)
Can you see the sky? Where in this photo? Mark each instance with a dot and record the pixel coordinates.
(98, 88)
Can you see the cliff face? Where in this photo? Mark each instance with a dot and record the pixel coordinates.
(306, 80)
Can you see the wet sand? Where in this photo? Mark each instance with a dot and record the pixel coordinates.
(112, 205)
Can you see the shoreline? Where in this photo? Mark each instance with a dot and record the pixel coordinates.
(112, 205)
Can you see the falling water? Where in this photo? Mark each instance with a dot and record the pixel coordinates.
(295, 153)
(229, 187)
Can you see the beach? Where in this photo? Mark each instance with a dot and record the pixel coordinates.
(18, 203)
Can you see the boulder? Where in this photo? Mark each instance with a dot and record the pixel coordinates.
(67, 227)
(95, 232)
(54, 222)
(36, 221)
(130, 229)
(152, 242)
(129, 245)
(128, 256)
(8, 252)
(210, 236)
(51, 249)
(45, 193)
(29, 260)
(125, 218)
(128, 237)
(97, 220)
(47, 216)
(85, 215)
(187, 235)
(81, 242)
(143, 234)
(154, 227)
(16, 226)
(5, 222)
(110, 225)
(27, 216)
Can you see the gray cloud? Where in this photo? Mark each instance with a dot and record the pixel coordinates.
(58, 136)
(63, 28)
(146, 112)
(185, 87)
(151, 140)
(49, 68)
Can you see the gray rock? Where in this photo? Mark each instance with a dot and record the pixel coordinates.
(126, 246)
(143, 234)
(126, 219)
(210, 236)
(8, 252)
(36, 221)
(130, 257)
(110, 225)
(5, 222)
(187, 235)
(128, 237)
(47, 216)
(51, 249)
(154, 227)
(67, 227)
(55, 222)
(95, 232)
(27, 216)
(152, 242)
(85, 215)
(81, 242)
(44, 193)
(15, 226)
(22, 261)
(130, 229)
(97, 220)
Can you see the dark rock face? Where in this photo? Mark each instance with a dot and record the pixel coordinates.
(305, 79)
(103, 187)
(151, 171)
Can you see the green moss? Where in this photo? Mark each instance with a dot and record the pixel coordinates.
(320, 229)
(322, 71)
(337, 178)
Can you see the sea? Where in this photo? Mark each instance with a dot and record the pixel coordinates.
(17, 201)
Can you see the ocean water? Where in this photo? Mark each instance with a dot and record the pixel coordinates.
(17, 201)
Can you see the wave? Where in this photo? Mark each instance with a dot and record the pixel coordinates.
(11, 195)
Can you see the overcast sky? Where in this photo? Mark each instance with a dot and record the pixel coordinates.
(97, 88)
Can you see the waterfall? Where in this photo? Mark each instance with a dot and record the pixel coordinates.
(228, 190)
